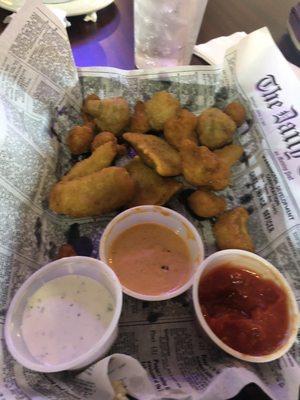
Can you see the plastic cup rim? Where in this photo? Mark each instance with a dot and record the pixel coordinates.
(281, 350)
(181, 218)
(85, 358)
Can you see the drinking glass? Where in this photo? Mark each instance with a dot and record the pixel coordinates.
(166, 31)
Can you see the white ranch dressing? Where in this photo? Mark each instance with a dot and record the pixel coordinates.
(65, 318)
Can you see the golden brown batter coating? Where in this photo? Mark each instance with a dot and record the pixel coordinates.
(101, 138)
(66, 250)
(215, 128)
(160, 108)
(96, 194)
(156, 153)
(113, 115)
(139, 121)
(80, 139)
(231, 231)
(230, 154)
(91, 104)
(150, 188)
(206, 204)
(180, 127)
(101, 158)
(202, 167)
(236, 111)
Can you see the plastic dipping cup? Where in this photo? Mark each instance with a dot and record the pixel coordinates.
(253, 262)
(166, 31)
(162, 216)
(55, 1)
(83, 266)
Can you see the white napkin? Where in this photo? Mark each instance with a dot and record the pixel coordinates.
(213, 51)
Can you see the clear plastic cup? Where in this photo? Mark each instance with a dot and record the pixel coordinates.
(166, 31)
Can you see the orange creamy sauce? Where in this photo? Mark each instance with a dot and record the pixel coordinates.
(150, 259)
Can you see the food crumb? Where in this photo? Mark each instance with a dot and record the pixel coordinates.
(120, 390)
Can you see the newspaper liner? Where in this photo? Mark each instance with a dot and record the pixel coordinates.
(38, 78)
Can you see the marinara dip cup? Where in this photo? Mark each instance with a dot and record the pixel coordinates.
(164, 269)
(259, 266)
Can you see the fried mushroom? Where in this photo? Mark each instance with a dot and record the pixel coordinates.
(202, 167)
(231, 231)
(160, 108)
(139, 121)
(156, 153)
(79, 139)
(215, 128)
(236, 111)
(206, 204)
(91, 104)
(92, 195)
(150, 188)
(102, 138)
(101, 158)
(180, 127)
(230, 154)
(66, 250)
(113, 115)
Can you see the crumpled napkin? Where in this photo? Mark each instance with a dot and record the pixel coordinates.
(214, 50)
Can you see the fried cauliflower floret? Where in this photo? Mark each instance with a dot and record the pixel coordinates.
(101, 158)
(150, 188)
(160, 108)
(180, 127)
(139, 121)
(230, 154)
(206, 204)
(113, 115)
(236, 111)
(79, 139)
(156, 153)
(215, 128)
(231, 231)
(92, 195)
(201, 167)
(91, 104)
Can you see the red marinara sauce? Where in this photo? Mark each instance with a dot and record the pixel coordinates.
(246, 311)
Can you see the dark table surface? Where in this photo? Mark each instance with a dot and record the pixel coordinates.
(109, 42)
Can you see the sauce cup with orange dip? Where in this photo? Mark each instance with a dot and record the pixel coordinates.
(153, 250)
(245, 306)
